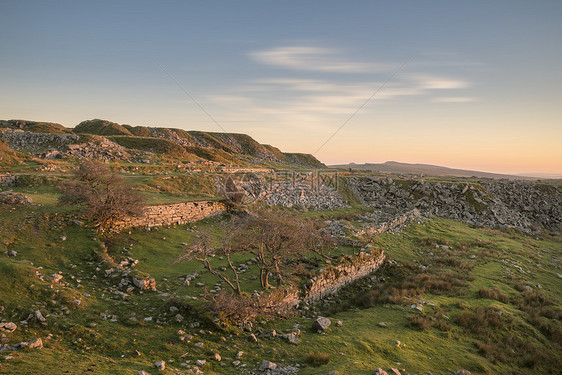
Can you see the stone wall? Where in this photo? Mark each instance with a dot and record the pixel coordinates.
(175, 213)
(332, 279)
(8, 180)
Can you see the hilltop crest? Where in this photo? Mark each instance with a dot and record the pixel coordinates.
(192, 145)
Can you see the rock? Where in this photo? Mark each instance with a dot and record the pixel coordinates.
(12, 253)
(179, 318)
(199, 345)
(160, 365)
(239, 354)
(37, 316)
(462, 372)
(145, 284)
(8, 327)
(267, 365)
(56, 278)
(321, 323)
(380, 371)
(236, 363)
(35, 344)
(417, 307)
(217, 357)
(339, 323)
(200, 362)
(252, 338)
(293, 339)
(382, 324)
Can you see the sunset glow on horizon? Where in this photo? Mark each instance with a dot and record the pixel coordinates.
(471, 84)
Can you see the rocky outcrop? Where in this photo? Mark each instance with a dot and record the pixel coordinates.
(24, 140)
(57, 146)
(525, 206)
(13, 198)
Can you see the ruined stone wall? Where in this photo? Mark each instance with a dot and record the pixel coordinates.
(332, 279)
(175, 213)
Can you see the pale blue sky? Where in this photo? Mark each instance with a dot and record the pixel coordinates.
(483, 88)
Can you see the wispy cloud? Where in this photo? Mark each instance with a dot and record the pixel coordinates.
(459, 99)
(313, 58)
(433, 82)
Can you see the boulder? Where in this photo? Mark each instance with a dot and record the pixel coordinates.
(321, 323)
(8, 327)
(144, 284)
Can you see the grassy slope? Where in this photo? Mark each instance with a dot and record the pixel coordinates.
(357, 347)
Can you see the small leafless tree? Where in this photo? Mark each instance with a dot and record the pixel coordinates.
(202, 251)
(273, 238)
(107, 197)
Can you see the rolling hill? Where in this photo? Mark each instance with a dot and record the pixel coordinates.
(427, 170)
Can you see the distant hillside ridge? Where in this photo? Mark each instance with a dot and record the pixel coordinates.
(427, 170)
(35, 126)
(225, 148)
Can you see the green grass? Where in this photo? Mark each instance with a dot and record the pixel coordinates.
(441, 339)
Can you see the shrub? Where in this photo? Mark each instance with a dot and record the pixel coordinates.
(419, 322)
(494, 294)
(484, 321)
(317, 358)
(106, 195)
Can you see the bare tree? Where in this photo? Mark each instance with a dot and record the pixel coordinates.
(273, 238)
(202, 251)
(108, 199)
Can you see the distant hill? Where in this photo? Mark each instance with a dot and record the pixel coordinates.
(227, 148)
(428, 170)
(35, 126)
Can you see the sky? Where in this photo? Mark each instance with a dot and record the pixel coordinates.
(464, 84)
